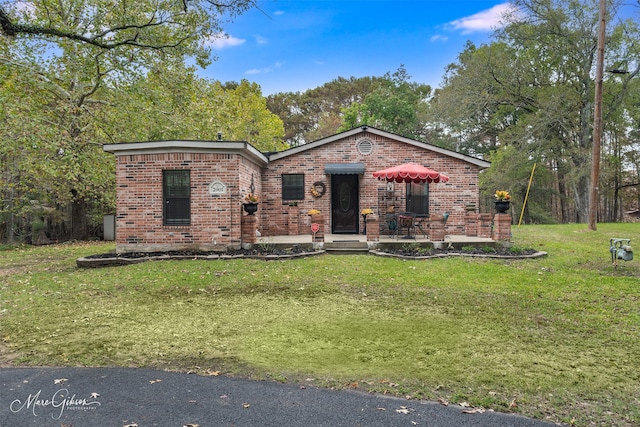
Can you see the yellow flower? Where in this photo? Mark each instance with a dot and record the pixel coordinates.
(251, 198)
(502, 195)
(366, 211)
(313, 212)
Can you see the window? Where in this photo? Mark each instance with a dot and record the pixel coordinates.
(418, 198)
(176, 189)
(292, 186)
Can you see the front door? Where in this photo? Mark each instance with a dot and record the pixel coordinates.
(344, 204)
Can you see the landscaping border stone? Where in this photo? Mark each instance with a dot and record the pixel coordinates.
(461, 254)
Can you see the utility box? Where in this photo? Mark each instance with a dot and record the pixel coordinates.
(109, 227)
(620, 249)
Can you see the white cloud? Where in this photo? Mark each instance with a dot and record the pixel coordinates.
(439, 37)
(221, 41)
(279, 12)
(265, 70)
(487, 20)
(261, 40)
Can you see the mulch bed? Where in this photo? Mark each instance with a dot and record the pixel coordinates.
(199, 254)
(503, 252)
(125, 258)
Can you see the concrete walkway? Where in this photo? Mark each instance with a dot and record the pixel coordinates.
(117, 397)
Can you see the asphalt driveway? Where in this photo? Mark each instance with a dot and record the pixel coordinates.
(117, 397)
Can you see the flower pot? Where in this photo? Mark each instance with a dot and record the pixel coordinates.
(502, 206)
(250, 208)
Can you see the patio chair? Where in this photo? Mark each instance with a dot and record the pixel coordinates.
(392, 224)
(407, 220)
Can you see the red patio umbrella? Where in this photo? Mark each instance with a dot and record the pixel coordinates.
(410, 172)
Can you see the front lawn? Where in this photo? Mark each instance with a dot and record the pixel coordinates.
(555, 338)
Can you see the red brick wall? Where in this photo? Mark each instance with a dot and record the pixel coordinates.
(215, 219)
(462, 188)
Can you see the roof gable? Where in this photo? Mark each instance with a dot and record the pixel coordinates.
(368, 129)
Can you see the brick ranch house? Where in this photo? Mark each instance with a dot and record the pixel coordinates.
(189, 194)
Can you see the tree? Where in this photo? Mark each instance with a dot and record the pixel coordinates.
(532, 88)
(115, 24)
(76, 55)
(394, 106)
(171, 102)
(317, 113)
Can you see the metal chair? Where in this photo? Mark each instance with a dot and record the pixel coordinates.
(408, 220)
(392, 224)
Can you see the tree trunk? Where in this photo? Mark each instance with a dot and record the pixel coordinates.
(79, 227)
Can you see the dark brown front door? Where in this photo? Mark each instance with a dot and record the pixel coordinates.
(344, 204)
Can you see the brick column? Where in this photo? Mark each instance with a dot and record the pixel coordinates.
(502, 227)
(484, 225)
(471, 224)
(293, 221)
(373, 228)
(248, 229)
(318, 219)
(436, 227)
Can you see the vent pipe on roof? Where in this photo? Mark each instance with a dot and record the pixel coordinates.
(219, 136)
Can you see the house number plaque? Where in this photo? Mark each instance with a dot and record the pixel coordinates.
(217, 188)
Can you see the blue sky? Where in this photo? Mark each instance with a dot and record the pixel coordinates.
(295, 45)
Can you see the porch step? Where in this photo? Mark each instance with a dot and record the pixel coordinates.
(346, 247)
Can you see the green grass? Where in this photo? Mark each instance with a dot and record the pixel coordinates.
(558, 336)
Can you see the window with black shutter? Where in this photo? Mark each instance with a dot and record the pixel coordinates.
(293, 186)
(176, 189)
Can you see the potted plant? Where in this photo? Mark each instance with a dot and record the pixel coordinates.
(503, 199)
(250, 204)
(364, 213)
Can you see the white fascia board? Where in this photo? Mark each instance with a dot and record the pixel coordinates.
(156, 147)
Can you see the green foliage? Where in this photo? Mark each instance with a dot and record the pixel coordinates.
(393, 106)
(532, 88)
(65, 94)
(391, 102)
(132, 31)
(317, 113)
(517, 250)
(171, 102)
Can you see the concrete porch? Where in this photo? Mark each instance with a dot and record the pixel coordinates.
(384, 241)
(484, 229)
